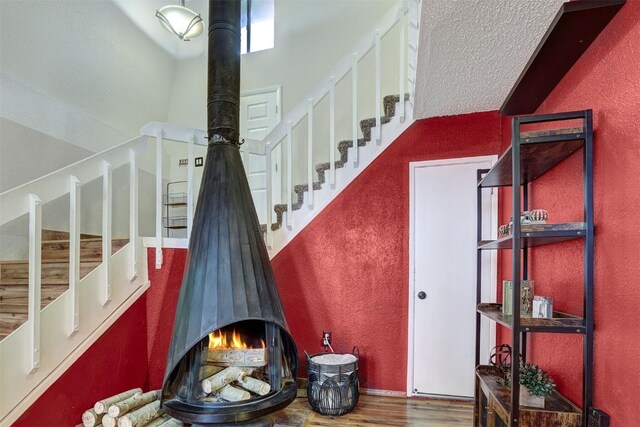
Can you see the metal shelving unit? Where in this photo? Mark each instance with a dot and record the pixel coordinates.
(530, 156)
(172, 200)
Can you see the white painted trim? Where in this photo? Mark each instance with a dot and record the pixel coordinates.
(56, 184)
(494, 219)
(159, 206)
(107, 203)
(75, 191)
(167, 242)
(35, 282)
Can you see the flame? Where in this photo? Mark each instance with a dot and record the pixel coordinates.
(222, 340)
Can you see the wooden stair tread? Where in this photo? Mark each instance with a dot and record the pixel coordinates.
(14, 275)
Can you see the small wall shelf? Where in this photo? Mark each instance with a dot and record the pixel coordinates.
(572, 31)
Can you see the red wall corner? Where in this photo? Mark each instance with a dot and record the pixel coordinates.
(348, 270)
(162, 299)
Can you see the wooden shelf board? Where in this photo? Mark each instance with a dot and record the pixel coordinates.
(556, 405)
(539, 152)
(532, 235)
(574, 28)
(560, 323)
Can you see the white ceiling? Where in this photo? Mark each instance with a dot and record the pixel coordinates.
(471, 52)
(142, 14)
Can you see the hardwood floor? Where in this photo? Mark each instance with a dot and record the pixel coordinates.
(381, 411)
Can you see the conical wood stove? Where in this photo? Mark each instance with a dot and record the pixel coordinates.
(231, 357)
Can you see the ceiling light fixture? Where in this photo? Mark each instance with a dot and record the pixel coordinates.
(181, 21)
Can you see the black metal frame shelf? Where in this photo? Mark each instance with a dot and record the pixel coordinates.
(530, 156)
(538, 235)
(560, 323)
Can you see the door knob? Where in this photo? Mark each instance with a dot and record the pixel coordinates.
(422, 295)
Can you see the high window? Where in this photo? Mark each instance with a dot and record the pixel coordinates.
(258, 25)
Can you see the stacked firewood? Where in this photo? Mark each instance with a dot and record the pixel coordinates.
(233, 375)
(132, 408)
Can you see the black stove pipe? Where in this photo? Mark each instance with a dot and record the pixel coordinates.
(228, 277)
(223, 86)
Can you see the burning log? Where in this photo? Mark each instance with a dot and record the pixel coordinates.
(141, 416)
(255, 385)
(101, 406)
(90, 418)
(233, 394)
(222, 378)
(137, 400)
(250, 357)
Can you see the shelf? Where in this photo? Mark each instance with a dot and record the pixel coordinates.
(175, 223)
(572, 31)
(539, 152)
(560, 323)
(538, 234)
(558, 410)
(174, 199)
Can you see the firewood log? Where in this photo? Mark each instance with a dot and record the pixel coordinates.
(108, 421)
(158, 421)
(233, 394)
(254, 385)
(90, 418)
(172, 423)
(251, 357)
(209, 370)
(101, 406)
(137, 400)
(222, 378)
(141, 416)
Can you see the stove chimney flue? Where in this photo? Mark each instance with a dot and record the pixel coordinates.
(223, 86)
(228, 284)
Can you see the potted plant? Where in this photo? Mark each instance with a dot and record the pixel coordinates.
(535, 385)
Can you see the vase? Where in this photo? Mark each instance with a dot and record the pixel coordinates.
(528, 399)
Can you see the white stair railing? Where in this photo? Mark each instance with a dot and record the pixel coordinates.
(396, 18)
(36, 353)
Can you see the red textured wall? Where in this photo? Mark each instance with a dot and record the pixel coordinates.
(162, 298)
(607, 80)
(348, 270)
(117, 361)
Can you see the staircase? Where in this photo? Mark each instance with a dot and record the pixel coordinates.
(14, 275)
(366, 126)
(54, 305)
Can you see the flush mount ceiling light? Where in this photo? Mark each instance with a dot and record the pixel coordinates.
(181, 21)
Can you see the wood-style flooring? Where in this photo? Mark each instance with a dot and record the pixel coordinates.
(381, 411)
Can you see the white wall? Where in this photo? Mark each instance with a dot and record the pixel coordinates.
(306, 48)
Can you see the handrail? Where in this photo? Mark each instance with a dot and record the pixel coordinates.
(56, 184)
(326, 89)
(338, 72)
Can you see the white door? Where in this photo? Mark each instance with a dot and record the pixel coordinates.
(258, 116)
(442, 296)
